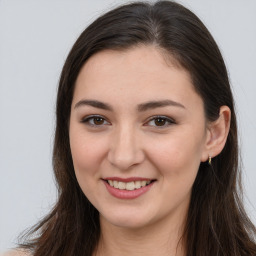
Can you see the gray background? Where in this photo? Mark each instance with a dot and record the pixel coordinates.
(35, 38)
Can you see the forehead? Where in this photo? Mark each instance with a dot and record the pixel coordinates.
(142, 58)
(137, 74)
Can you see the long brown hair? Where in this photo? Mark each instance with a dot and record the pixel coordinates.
(217, 223)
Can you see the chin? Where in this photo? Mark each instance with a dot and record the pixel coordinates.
(128, 220)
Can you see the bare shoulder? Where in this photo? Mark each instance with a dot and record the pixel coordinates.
(17, 252)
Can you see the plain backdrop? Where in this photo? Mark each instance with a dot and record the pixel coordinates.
(35, 38)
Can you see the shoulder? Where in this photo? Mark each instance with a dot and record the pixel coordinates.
(16, 252)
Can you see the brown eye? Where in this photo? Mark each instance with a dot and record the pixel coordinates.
(95, 121)
(160, 121)
(98, 120)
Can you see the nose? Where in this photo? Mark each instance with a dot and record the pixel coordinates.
(125, 148)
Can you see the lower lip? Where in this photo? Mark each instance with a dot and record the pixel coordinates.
(127, 194)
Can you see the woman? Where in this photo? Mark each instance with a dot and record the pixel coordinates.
(145, 154)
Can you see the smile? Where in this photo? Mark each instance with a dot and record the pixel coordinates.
(128, 188)
(132, 185)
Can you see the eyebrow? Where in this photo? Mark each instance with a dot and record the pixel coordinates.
(141, 107)
(94, 103)
(157, 104)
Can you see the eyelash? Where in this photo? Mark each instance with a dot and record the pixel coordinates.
(168, 120)
(87, 120)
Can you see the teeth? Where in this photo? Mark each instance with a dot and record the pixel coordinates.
(137, 184)
(128, 185)
(115, 183)
(121, 185)
(143, 183)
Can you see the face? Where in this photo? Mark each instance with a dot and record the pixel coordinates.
(137, 136)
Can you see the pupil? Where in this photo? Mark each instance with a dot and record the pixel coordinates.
(160, 121)
(98, 120)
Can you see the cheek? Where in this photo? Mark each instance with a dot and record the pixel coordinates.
(177, 157)
(87, 153)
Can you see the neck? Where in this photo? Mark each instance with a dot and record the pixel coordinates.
(161, 239)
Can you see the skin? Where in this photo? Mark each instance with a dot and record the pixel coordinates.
(17, 252)
(127, 142)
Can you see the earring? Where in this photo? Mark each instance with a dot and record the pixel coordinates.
(210, 160)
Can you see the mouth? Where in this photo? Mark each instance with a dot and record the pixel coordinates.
(130, 186)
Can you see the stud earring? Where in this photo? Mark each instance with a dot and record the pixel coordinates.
(210, 160)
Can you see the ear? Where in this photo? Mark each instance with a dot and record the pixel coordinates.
(217, 133)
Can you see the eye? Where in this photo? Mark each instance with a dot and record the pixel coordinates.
(160, 121)
(95, 120)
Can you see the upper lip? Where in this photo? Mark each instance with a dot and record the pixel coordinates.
(128, 179)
